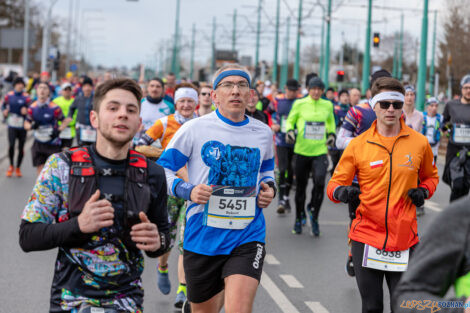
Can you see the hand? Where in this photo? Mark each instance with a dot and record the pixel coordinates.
(5, 113)
(347, 193)
(201, 194)
(145, 234)
(417, 196)
(27, 125)
(265, 196)
(66, 121)
(290, 137)
(24, 111)
(275, 128)
(330, 140)
(95, 215)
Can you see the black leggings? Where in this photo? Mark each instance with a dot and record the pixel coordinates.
(13, 135)
(370, 281)
(316, 165)
(286, 175)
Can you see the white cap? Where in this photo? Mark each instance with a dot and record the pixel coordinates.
(65, 85)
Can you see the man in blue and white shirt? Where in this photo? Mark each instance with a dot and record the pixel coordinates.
(230, 164)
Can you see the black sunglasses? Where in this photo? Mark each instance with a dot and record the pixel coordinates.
(205, 93)
(397, 105)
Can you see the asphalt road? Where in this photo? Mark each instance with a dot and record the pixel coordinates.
(301, 273)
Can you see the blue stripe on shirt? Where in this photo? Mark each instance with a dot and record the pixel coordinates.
(172, 159)
(267, 165)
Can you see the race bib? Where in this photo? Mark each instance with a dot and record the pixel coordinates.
(87, 133)
(284, 124)
(461, 133)
(314, 130)
(66, 133)
(15, 120)
(392, 261)
(230, 207)
(44, 133)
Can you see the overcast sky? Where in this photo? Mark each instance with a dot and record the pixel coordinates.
(120, 32)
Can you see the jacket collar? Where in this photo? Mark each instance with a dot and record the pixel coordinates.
(404, 129)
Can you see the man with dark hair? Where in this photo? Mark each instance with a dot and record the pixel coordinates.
(14, 108)
(389, 159)
(86, 134)
(170, 85)
(281, 107)
(101, 205)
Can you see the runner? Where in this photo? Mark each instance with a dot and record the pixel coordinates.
(314, 120)
(100, 241)
(44, 117)
(413, 117)
(358, 119)
(282, 105)
(83, 104)
(388, 159)
(341, 108)
(432, 124)
(205, 101)
(64, 102)
(14, 108)
(252, 111)
(457, 122)
(231, 167)
(164, 129)
(170, 84)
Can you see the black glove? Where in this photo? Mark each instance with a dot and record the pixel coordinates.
(290, 137)
(347, 193)
(330, 140)
(418, 195)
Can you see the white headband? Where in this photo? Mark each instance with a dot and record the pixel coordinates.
(186, 92)
(386, 95)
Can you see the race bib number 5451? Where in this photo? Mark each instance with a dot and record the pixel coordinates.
(230, 207)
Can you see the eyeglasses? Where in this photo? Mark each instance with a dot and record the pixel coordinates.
(229, 85)
(205, 94)
(397, 105)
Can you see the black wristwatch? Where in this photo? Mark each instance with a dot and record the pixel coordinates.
(273, 186)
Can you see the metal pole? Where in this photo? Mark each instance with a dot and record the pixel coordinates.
(276, 42)
(258, 32)
(45, 37)
(421, 92)
(400, 50)
(26, 38)
(297, 50)
(234, 31)
(322, 46)
(69, 33)
(213, 45)
(193, 42)
(395, 57)
(366, 64)
(431, 70)
(174, 60)
(77, 29)
(285, 61)
(327, 45)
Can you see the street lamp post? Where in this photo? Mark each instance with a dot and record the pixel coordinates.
(421, 92)
(366, 64)
(45, 36)
(26, 38)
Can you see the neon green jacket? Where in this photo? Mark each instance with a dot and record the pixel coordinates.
(65, 104)
(319, 118)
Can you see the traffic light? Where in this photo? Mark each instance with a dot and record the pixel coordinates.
(340, 76)
(376, 40)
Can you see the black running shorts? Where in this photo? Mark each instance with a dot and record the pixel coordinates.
(205, 273)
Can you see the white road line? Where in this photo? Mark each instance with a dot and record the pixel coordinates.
(271, 259)
(277, 295)
(291, 281)
(316, 307)
(432, 206)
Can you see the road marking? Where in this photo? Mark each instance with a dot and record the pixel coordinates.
(316, 307)
(271, 259)
(334, 223)
(277, 295)
(432, 206)
(291, 281)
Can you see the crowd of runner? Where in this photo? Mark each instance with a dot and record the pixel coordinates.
(122, 165)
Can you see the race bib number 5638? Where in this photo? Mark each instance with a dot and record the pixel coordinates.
(230, 207)
(393, 261)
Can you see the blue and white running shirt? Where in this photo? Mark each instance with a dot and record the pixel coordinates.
(220, 152)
